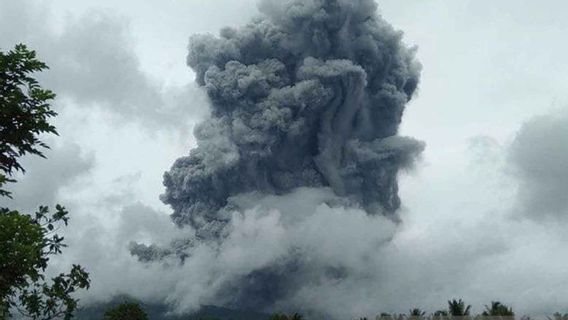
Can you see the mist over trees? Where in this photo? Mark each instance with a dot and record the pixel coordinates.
(126, 311)
(456, 309)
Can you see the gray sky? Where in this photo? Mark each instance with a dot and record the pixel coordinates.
(484, 212)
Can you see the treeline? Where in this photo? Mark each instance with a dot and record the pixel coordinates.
(457, 310)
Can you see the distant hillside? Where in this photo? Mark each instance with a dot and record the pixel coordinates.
(159, 312)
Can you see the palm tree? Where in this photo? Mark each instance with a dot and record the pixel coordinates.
(416, 314)
(498, 309)
(457, 308)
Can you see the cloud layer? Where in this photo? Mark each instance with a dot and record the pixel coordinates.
(93, 65)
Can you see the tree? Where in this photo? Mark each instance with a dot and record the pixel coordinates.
(416, 314)
(27, 242)
(126, 311)
(498, 309)
(25, 111)
(457, 308)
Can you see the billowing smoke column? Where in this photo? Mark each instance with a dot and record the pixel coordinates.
(311, 94)
(292, 190)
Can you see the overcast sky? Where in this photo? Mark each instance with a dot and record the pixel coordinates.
(484, 212)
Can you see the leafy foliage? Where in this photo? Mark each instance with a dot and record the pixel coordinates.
(26, 244)
(28, 241)
(25, 110)
(126, 311)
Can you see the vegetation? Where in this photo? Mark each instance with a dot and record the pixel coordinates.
(456, 310)
(24, 113)
(278, 316)
(498, 309)
(126, 311)
(417, 314)
(28, 241)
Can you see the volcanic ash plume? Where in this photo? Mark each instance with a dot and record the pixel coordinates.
(306, 101)
(309, 95)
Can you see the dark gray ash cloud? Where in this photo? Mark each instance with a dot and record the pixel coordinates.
(310, 94)
(306, 102)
